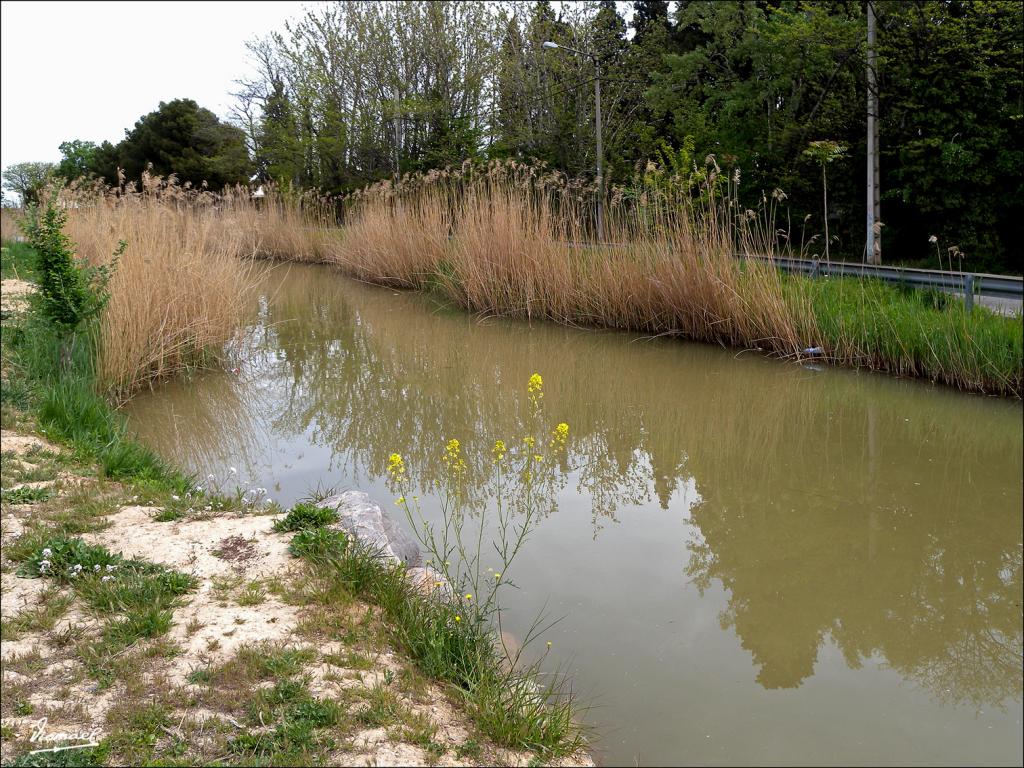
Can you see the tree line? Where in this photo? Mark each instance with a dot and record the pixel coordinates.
(351, 93)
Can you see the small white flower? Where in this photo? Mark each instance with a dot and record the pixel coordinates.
(111, 568)
(107, 578)
(175, 498)
(96, 568)
(269, 501)
(47, 552)
(78, 567)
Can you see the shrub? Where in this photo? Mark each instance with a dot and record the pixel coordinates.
(70, 292)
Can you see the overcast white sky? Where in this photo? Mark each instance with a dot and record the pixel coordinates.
(88, 70)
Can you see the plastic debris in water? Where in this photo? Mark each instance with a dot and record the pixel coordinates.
(813, 351)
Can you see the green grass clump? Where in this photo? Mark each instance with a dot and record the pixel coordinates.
(55, 380)
(269, 703)
(137, 598)
(318, 545)
(25, 495)
(925, 334)
(17, 262)
(305, 516)
(454, 645)
(66, 758)
(288, 706)
(66, 560)
(383, 708)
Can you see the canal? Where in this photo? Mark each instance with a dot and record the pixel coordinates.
(753, 561)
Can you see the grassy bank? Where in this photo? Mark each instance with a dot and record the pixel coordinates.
(504, 240)
(265, 706)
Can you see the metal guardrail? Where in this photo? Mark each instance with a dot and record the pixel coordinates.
(968, 283)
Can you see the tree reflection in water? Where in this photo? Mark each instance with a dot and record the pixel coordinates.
(882, 514)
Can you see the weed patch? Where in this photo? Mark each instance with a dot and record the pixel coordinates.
(305, 516)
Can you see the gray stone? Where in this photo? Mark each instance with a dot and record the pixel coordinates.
(429, 581)
(362, 517)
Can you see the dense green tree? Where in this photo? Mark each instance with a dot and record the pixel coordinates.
(184, 139)
(952, 144)
(26, 180)
(105, 161)
(277, 156)
(352, 93)
(759, 84)
(78, 158)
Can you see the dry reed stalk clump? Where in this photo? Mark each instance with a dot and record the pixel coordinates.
(515, 240)
(396, 241)
(285, 224)
(180, 289)
(508, 241)
(10, 223)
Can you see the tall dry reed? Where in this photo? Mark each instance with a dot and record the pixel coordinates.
(10, 223)
(516, 240)
(186, 278)
(511, 240)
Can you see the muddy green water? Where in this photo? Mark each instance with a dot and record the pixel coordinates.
(756, 562)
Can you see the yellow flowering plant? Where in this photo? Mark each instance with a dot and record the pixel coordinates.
(522, 474)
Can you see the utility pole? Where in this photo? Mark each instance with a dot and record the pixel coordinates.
(600, 154)
(873, 250)
(597, 127)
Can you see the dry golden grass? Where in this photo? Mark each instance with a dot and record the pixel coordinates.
(9, 223)
(513, 240)
(506, 241)
(181, 288)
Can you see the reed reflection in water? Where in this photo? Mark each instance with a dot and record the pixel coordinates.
(812, 510)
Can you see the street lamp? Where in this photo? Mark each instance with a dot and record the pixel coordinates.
(597, 120)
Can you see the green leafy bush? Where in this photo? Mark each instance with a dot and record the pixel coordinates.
(305, 516)
(71, 291)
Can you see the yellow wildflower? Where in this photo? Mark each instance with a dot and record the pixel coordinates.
(559, 435)
(469, 596)
(535, 390)
(453, 458)
(458, 618)
(396, 467)
(498, 450)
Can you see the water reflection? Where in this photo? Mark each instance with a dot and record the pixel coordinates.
(880, 514)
